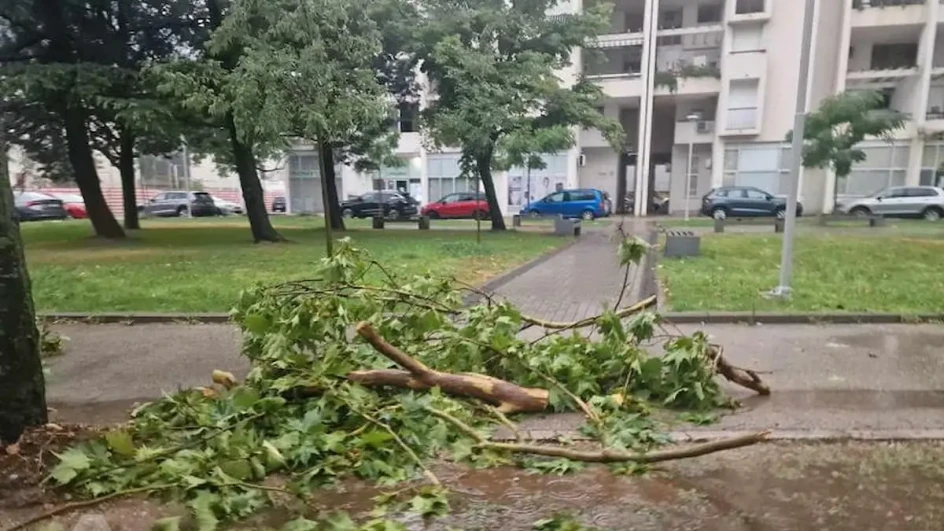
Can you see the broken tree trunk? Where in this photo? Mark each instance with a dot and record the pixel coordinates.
(743, 377)
(506, 396)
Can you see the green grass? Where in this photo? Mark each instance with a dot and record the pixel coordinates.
(832, 272)
(202, 265)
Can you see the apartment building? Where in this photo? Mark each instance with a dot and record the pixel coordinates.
(705, 91)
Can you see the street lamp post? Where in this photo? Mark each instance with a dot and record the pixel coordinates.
(783, 290)
(692, 118)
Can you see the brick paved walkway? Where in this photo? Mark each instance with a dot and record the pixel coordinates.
(577, 282)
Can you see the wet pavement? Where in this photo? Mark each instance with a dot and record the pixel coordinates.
(851, 486)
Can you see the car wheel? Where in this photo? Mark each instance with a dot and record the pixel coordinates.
(587, 215)
(931, 214)
(181, 211)
(534, 214)
(480, 215)
(719, 213)
(347, 213)
(432, 214)
(860, 211)
(393, 214)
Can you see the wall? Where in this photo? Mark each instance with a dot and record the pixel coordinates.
(861, 58)
(938, 60)
(781, 35)
(826, 65)
(677, 184)
(599, 170)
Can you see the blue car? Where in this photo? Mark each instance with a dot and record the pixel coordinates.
(585, 203)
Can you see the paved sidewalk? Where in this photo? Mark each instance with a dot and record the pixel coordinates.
(840, 379)
(578, 282)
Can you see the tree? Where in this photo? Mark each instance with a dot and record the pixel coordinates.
(494, 68)
(22, 387)
(307, 72)
(842, 121)
(47, 60)
(209, 86)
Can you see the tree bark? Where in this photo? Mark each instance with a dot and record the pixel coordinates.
(254, 196)
(483, 164)
(508, 397)
(86, 175)
(325, 200)
(329, 181)
(129, 197)
(22, 386)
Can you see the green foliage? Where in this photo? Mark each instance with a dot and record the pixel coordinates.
(51, 343)
(298, 418)
(834, 131)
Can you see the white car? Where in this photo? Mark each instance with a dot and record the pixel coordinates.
(899, 202)
(227, 207)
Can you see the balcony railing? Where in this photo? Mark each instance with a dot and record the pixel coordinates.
(863, 4)
(742, 118)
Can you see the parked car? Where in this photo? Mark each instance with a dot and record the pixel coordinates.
(278, 204)
(902, 201)
(225, 208)
(36, 206)
(586, 203)
(174, 203)
(743, 202)
(74, 205)
(389, 203)
(458, 205)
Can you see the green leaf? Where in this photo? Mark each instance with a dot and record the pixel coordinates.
(240, 469)
(256, 323)
(300, 524)
(376, 438)
(120, 442)
(244, 398)
(204, 510)
(71, 462)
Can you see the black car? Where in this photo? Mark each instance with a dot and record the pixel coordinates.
(278, 204)
(35, 206)
(388, 203)
(744, 201)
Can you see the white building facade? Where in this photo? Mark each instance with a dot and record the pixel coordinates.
(716, 79)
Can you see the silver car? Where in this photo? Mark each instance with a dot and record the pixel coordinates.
(899, 202)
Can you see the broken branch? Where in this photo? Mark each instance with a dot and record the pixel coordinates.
(743, 377)
(506, 396)
(625, 312)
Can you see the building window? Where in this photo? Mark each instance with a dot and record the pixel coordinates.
(885, 165)
(693, 176)
(407, 117)
(748, 7)
(445, 176)
(760, 165)
(633, 22)
(670, 19)
(892, 56)
(709, 14)
(748, 38)
(539, 182)
(303, 166)
(742, 104)
(932, 165)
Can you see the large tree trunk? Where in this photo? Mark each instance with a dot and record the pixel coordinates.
(22, 387)
(129, 197)
(483, 164)
(329, 181)
(86, 175)
(262, 229)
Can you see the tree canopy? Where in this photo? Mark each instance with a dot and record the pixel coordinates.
(495, 68)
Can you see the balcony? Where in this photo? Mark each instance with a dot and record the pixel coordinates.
(699, 132)
(617, 70)
(881, 63)
(884, 13)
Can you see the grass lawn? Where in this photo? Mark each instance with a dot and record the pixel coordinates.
(201, 265)
(832, 272)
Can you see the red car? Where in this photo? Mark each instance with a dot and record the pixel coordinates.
(459, 205)
(74, 205)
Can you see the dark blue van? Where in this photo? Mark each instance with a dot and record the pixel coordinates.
(585, 203)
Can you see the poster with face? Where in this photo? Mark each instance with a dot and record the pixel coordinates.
(515, 191)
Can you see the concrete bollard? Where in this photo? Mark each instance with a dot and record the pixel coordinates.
(719, 225)
(516, 220)
(378, 222)
(423, 223)
(877, 221)
(779, 225)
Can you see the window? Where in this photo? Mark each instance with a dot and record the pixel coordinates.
(708, 13)
(555, 198)
(742, 104)
(747, 38)
(582, 195)
(755, 194)
(898, 55)
(445, 176)
(634, 22)
(176, 195)
(669, 40)
(762, 166)
(747, 7)
(407, 120)
(885, 166)
(670, 19)
(693, 176)
(920, 192)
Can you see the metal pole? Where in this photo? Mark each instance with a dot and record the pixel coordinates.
(799, 125)
(688, 176)
(186, 156)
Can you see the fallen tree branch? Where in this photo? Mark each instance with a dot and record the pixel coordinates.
(603, 456)
(625, 312)
(743, 377)
(72, 506)
(506, 396)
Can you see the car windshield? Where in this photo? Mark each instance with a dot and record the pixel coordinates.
(71, 198)
(203, 196)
